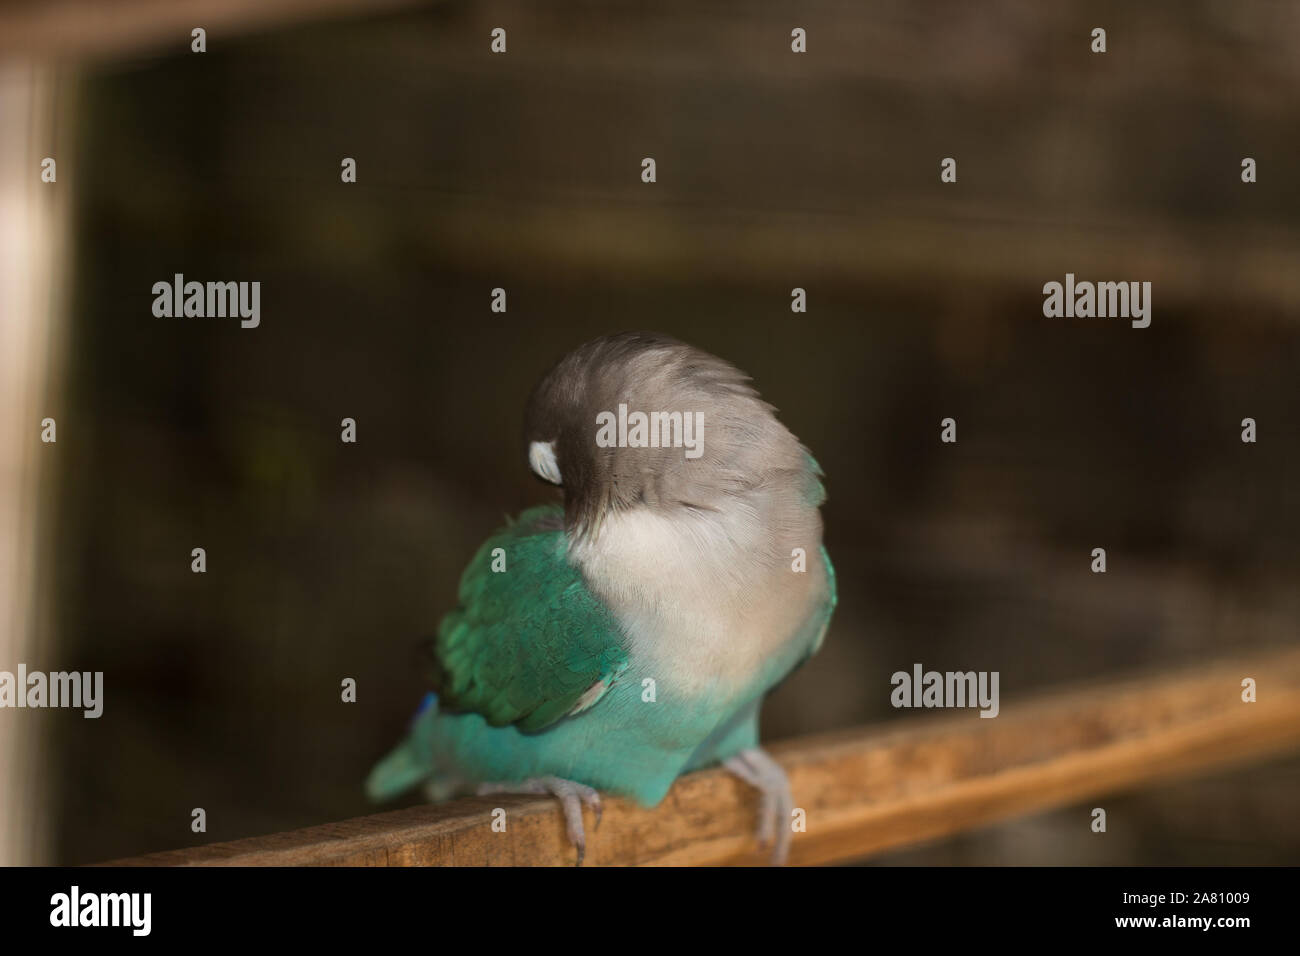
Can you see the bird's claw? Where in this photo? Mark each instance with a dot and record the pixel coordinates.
(765, 775)
(572, 796)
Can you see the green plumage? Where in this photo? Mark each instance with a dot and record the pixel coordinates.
(526, 643)
(533, 679)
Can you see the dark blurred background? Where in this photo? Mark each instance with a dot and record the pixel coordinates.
(775, 170)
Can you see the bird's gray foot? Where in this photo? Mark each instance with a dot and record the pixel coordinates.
(764, 774)
(572, 796)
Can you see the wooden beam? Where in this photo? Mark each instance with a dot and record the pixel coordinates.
(864, 790)
(61, 29)
(36, 116)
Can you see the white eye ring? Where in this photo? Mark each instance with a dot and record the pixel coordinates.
(541, 458)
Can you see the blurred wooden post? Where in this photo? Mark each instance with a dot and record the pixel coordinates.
(32, 279)
(39, 44)
(863, 790)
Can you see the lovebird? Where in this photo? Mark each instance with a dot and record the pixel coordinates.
(628, 636)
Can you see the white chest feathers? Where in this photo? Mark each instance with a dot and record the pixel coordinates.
(699, 593)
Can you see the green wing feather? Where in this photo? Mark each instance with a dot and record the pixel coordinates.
(529, 644)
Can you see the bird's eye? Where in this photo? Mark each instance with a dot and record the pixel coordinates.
(541, 458)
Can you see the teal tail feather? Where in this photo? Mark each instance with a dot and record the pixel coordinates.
(398, 772)
(407, 765)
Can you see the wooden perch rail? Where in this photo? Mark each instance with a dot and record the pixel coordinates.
(864, 791)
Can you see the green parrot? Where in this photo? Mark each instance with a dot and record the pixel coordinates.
(629, 636)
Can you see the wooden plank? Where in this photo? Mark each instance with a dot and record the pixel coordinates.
(863, 791)
(89, 28)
